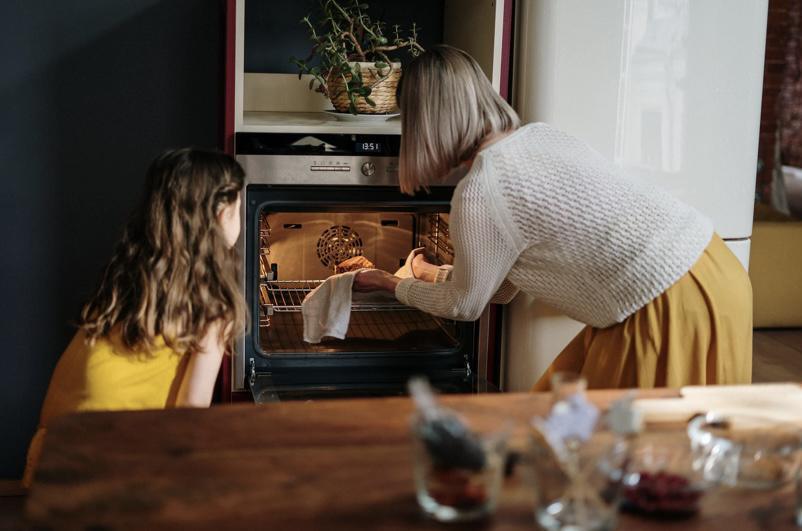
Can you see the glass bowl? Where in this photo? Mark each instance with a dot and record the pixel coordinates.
(745, 450)
(661, 480)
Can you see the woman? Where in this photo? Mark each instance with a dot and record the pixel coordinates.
(665, 301)
(155, 331)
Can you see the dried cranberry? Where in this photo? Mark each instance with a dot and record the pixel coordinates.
(663, 493)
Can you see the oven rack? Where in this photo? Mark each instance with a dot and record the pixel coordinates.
(437, 240)
(410, 331)
(287, 296)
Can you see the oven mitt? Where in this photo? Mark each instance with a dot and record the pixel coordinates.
(327, 308)
(405, 271)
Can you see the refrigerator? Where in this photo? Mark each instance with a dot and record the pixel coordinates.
(668, 90)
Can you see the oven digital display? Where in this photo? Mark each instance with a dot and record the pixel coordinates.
(369, 147)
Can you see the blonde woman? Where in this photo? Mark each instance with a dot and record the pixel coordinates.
(154, 333)
(665, 301)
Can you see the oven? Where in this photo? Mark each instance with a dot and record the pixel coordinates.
(310, 202)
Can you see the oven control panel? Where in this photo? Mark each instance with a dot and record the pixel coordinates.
(368, 168)
(325, 159)
(319, 159)
(306, 170)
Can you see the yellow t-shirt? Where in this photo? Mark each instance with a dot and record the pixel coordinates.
(106, 376)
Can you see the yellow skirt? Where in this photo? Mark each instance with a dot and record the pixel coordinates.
(697, 332)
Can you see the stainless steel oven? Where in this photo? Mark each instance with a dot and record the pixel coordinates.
(310, 202)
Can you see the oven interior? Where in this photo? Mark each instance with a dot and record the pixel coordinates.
(297, 251)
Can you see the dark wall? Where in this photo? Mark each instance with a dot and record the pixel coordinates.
(273, 35)
(90, 92)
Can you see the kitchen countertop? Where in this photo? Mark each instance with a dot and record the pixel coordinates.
(340, 464)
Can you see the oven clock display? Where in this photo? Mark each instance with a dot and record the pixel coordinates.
(369, 147)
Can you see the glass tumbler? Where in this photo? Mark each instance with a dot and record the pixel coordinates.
(454, 494)
(566, 384)
(577, 485)
(580, 492)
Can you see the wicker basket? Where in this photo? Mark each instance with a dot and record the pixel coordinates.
(382, 85)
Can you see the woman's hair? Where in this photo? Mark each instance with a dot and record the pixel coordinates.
(447, 107)
(173, 273)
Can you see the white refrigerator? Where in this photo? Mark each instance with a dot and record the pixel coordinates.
(669, 90)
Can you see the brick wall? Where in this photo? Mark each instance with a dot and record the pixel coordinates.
(777, 34)
(790, 98)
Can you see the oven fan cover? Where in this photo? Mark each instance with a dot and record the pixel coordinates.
(338, 243)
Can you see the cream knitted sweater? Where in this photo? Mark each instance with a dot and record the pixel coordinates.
(542, 212)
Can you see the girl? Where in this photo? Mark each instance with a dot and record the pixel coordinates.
(154, 333)
(665, 301)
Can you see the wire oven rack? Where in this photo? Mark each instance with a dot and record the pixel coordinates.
(287, 296)
(409, 331)
(375, 324)
(437, 240)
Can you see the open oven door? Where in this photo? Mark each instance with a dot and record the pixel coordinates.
(271, 387)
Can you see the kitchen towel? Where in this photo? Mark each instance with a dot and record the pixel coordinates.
(327, 308)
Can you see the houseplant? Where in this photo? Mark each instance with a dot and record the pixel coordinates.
(350, 60)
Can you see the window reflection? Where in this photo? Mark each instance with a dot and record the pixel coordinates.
(651, 104)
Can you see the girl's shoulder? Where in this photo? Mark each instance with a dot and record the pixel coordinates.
(112, 347)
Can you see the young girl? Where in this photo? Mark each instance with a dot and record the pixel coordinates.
(154, 333)
(665, 301)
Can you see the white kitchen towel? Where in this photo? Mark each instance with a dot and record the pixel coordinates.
(327, 308)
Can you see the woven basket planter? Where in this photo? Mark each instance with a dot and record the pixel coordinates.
(382, 85)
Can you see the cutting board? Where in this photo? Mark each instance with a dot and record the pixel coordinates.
(782, 402)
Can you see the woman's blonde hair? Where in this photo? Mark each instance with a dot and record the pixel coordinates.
(448, 107)
(172, 273)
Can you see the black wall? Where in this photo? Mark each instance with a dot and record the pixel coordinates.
(90, 92)
(274, 35)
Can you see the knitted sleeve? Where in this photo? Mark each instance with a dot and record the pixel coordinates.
(484, 252)
(504, 295)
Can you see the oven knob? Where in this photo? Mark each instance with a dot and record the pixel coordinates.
(368, 169)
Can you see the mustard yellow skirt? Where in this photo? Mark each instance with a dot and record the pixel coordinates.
(697, 332)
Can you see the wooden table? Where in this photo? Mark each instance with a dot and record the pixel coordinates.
(343, 464)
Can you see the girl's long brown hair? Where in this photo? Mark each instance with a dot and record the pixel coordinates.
(172, 274)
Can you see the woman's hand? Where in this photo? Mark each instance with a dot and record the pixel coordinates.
(375, 280)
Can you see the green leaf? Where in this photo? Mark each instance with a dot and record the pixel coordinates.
(381, 65)
(370, 102)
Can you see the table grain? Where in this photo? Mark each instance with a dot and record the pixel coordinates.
(337, 464)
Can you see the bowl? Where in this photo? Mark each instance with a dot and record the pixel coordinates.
(661, 480)
(747, 451)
